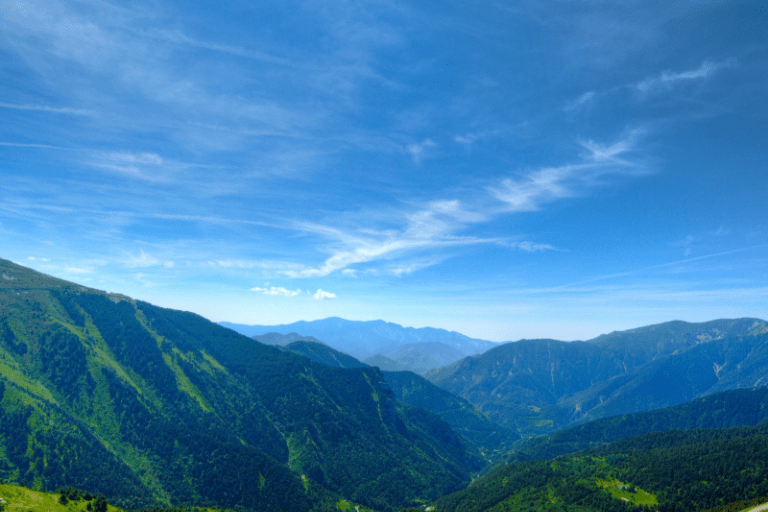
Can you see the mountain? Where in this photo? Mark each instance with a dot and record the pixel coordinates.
(365, 339)
(742, 407)
(386, 364)
(154, 406)
(462, 416)
(676, 471)
(323, 354)
(281, 340)
(424, 356)
(539, 386)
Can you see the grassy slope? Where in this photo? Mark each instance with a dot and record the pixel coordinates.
(28, 500)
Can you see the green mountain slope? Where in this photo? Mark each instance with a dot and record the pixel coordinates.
(178, 410)
(323, 354)
(539, 386)
(417, 391)
(678, 471)
(743, 407)
(461, 415)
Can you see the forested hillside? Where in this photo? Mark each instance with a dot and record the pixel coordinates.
(539, 386)
(462, 416)
(678, 471)
(149, 405)
(743, 407)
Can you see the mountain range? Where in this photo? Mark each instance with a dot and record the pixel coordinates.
(415, 349)
(539, 386)
(158, 407)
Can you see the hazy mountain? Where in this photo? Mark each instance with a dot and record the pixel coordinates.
(281, 340)
(538, 386)
(150, 405)
(424, 356)
(365, 339)
(386, 364)
(323, 354)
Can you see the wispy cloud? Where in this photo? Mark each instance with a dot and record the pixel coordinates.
(670, 264)
(440, 225)
(536, 188)
(142, 166)
(277, 291)
(78, 270)
(144, 280)
(533, 247)
(430, 228)
(144, 260)
(48, 108)
(670, 77)
(30, 145)
(582, 100)
(663, 80)
(418, 150)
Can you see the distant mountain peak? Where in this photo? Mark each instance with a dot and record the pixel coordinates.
(363, 339)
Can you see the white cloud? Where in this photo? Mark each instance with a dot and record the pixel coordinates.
(143, 166)
(26, 145)
(528, 193)
(536, 188)
(417, 150)
(277, 290)
(534, 247)
(48, 108)
(78, 270)
(431, 228)
(666, 78)
(465, 139)
(143, 279)
(144, 260)
(323, 295)
(438, 225)
(580, 101)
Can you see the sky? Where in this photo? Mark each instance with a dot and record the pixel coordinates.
(507, 170)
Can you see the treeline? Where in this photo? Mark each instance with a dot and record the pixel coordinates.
(97, 503)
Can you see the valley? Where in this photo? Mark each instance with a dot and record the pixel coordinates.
(153, 407)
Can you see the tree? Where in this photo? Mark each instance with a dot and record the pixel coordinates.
(100, 503)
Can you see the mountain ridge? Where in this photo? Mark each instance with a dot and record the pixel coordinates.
(177, 410)
(538, 386)
(363, 339)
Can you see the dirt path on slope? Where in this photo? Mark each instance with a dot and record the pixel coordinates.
(758, 508)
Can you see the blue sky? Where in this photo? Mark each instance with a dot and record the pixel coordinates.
(507, 170)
